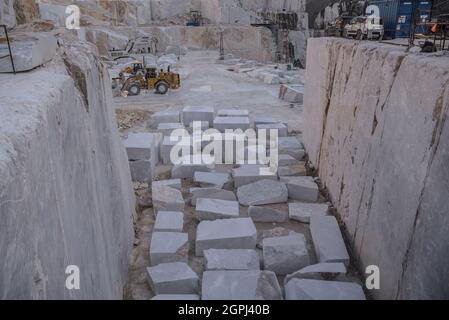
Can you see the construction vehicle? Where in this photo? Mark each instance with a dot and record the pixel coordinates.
(336, 27)
(140, 45)
(364, 27)
(195, 20)
(150, 79)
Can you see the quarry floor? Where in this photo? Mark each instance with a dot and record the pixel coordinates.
(210, 84)
(207, 83)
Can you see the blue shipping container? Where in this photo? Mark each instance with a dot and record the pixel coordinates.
(397, 15)
(406, 11)
(388, 10)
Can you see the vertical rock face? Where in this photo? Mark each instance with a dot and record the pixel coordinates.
(65, 188)
(375, 128)
(7, 13)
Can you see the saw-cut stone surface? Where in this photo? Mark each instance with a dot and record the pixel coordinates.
(238, 233)
(262, 192)
(231, 259)
(240, 285)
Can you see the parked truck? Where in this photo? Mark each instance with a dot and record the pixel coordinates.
(364, 27)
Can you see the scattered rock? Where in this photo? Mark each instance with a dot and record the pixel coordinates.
(284, 255)
(164, 117)
(167, 199)
(211, 193)
(231, 123)
(168, 247)
(272, 233)
(240, 285)
(173, 278)
(262, 192)
(270, 213)
(239, 233)
(196, 113)
(231, 259)
(232, 113)
(167, 128)
(172, 183)
(327, 240)
(302, 212)
(248, 174)
(301, 188)
(212, 209)
(305, 289)
(320, 271)
(211, 179)
(291, 146)
(169, 221)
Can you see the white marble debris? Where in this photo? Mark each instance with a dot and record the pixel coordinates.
(320, 271)
(167, 128)
(284, 255)
(302, 212)
(28, 51)
(231, 259)
(240, 285)
(172, 183)
(211, 193)
(301, 188)
(168, 247)
(173, 278)
(231, 123)
(232, 113)
(281, 128)
(306, 289)
(264, 120)
(167, 145)
(262, 192)
(167, 199)
(272, 233)
(294, 170)
(287, 160)
(212, 209)
(140, 146)
(197, 113)
(169, 221)
(203, 125)
(176, 297)
(211, 179)
(267, 213)
(164, 117)
(142, 170)
(238, 233)
(291, 146)
(327, 240)
(247, 174)
(187, 169)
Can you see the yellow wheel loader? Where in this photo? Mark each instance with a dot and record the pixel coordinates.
(151, 79)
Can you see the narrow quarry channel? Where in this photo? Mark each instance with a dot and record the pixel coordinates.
(221, 150)
(186, 203)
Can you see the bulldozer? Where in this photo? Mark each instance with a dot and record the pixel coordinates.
(150, 79)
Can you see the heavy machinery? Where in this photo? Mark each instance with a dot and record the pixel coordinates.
(139, 45)
(195, 19)
(150, 79)
(364, 27)
(336, 27)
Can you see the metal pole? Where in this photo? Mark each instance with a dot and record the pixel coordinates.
(9, 49)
